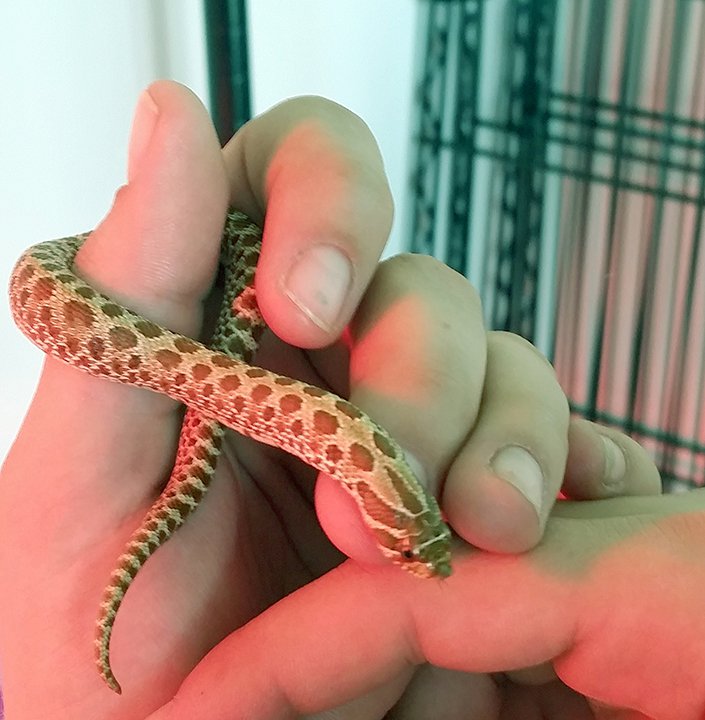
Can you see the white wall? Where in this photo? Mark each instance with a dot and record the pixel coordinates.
(361, 55)
(70, 73)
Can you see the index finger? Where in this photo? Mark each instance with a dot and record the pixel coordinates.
(316, 168)
(353, 630)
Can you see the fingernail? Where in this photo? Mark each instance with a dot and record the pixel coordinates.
(615, 464)
(517, 466)
(319, 282)
(142, 128)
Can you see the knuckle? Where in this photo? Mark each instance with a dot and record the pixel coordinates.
(510, 339)
(306, 107)
(428, 275)
(314, 145)
(514, 343)
(347, 161)
(314, 124)
(640, 466)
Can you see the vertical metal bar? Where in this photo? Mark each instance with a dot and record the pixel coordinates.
(522, 194)
(594, 46)
(428, 127)
(642, 350)
(696, 378)
(228, 62)
(690, 320)
(463, 141)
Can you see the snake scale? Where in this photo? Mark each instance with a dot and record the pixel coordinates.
(70, 320)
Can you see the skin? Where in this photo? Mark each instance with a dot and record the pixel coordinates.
(603, 602)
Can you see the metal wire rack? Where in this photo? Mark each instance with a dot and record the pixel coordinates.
(559, 162)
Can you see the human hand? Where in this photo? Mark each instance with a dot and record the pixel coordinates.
(106, 448)
(612, 597)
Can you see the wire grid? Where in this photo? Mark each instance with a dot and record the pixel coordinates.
(560, 164)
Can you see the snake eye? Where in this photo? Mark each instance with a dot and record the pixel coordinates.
(408, 554)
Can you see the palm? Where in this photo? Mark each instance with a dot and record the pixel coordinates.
(254, 539)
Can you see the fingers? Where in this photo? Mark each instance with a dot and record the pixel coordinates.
(490, 422)
(501, 486)
(156, 252)
(352, 631)
(317, 169)
(417, 365)
(158, 247)
(371, 706)
(440, 693)
(92, 454)
(418, 356)
(604, 463)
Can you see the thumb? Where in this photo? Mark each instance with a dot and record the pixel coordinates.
(155, 252)
(158, 247)
(90, 452)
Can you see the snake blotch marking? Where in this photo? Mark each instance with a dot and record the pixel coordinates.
(74, 322)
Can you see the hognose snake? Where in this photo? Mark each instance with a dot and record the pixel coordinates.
(70, 320)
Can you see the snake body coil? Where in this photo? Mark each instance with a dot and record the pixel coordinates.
(70, 320)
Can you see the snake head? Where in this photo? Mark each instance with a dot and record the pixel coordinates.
(425, 555)
(430, 558)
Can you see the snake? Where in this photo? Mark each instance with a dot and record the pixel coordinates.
(220, 388)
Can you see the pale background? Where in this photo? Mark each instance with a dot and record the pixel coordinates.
(71, 72)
